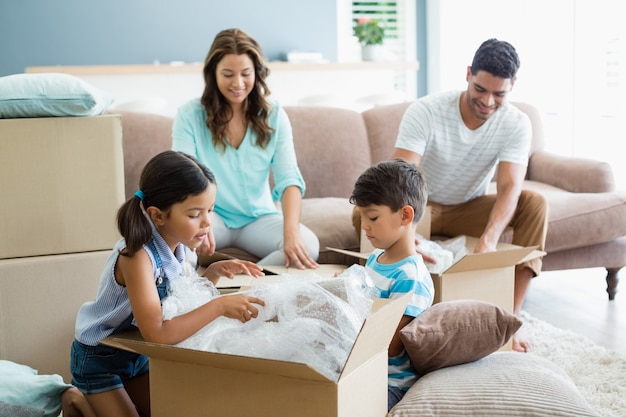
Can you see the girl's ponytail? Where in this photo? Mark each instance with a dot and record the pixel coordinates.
(133, 225)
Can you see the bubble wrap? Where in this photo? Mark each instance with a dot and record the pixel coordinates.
(445, 253)
(313, 321)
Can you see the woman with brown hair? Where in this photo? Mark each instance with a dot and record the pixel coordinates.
(240, 133)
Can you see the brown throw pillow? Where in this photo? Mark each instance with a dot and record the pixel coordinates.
(455, 332)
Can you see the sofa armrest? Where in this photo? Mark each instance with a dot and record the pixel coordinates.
(577, 175)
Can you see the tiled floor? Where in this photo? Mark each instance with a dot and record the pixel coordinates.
(577, 300)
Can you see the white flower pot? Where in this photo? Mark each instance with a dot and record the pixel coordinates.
(371, 53)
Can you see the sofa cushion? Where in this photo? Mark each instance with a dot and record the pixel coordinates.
(50, 94)
(382, 125)
(332, 149)
(502, 384)
(455, 332)
(571, 213)
(330, 218)
(143, 136)
(610, 255)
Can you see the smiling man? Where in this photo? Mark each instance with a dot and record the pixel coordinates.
(458, 139)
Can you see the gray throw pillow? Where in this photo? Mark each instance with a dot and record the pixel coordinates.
(510, 384)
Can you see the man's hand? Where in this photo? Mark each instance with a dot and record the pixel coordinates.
(427, 258)
(483, 247)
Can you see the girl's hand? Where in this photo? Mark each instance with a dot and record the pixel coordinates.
(240, 307)
(207, 247)
(296, 253)
(230, 267)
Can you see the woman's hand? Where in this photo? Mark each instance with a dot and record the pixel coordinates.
(230, 267)
(296, 253)
(240, 307)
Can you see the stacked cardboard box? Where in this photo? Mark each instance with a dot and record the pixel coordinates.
(61, 183)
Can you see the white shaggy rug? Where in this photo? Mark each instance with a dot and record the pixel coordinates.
(599, 373)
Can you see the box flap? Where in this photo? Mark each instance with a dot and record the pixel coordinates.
(360, 255)
(237, 281)
(322, 271)
(532, 255)
(376, 332)
(488, 260)
(275, 273)
(134, 342)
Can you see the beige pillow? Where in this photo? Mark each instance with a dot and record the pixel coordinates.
(456, 332)
(510, 384)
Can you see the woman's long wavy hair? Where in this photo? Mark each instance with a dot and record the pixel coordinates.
(218, 110)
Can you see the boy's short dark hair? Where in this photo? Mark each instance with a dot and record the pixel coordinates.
(394, 183)
(498, 58)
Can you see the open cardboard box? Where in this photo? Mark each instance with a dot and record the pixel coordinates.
(186, 382)
(487, 276)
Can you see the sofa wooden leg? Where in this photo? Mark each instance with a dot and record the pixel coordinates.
(612, 281)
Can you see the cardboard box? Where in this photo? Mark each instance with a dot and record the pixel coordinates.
(39, 299)
(186, 382)
(61, 182)
(487, 276)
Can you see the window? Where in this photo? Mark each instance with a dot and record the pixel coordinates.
(400, 35)
(387, 13)
(573, 55)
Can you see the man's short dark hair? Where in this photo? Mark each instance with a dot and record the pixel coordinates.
(498, 58)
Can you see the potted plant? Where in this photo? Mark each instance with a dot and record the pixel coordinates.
(370, 34)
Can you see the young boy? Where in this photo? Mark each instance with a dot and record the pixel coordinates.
(391, 198)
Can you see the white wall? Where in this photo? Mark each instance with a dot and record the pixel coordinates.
(343, 85)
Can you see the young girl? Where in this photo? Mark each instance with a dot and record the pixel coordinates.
(170, 214)
(244, 137)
